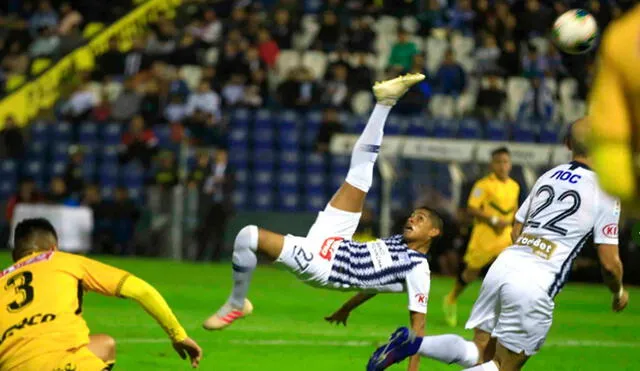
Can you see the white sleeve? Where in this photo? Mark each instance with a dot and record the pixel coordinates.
(418, 283)
(523, 211)
(605, 228)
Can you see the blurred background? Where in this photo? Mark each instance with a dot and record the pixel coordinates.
(159, 127)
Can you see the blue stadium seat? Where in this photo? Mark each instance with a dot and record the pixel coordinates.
(372, 202)
(107, 192)
(88, 134)
(315, 180)
(108, 176)
(288, 198)
(7, 188)
(355, 125)
(288, 179)
(315, 162)
(112, 134)
(57, 168)
(241, 198)
(241, 176)
(239, 158)
(311, 127)
(239, 137)
(445, 128)
(524, 131)
(241, 118)
(35, 169)
(496, 130)
(394, 125)
(263, 198)
(418, 127)
(163, 133)
(470, 129)
(289, 160)
(62, 131)
(264, 120)
(89, 170)
(37, 150)
(136, 194)
(40, 131)
(109, 154)
(315, 199)
(8, 170)
(132, 175)
(550, 132)
(60, 151)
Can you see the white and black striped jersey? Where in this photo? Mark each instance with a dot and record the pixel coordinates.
(564, 211)
(383, 265)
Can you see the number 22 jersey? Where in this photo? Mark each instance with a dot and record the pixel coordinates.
(565, 209)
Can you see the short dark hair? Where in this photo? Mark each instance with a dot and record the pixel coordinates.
(26, 231)
(499, 151)
(434, 216)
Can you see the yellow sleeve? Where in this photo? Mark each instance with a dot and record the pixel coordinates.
(477, 195)
(152, 302)
(609, 116)
(96, 276)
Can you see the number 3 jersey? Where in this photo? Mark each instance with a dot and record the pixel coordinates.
(41, 304)
(564, 211)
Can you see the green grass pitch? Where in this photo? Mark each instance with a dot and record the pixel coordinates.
(287, 330)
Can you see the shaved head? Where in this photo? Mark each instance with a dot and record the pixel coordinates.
(578, 136)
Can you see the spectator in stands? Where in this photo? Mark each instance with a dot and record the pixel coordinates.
(162, 43)
(403, 51)
(59, 194)
(533, 64)
(330, 32)
(535, 20)
(538, 102)
(27, 194)
(70, 21)
(330, 126)
(101, 219)
(554, 66)
(201, 170)
(252, 60)
(234, 90)
(299, 90)
(367, 228)
(13, 143)
(47, 44)
(186, 53)
(16, 61)
(230, 62)
(166, 175)
(151, 104)
(343, 59)
(44, 16)
(283, 29)
(111, 63)
(204, 99)
(361, 77)
(416, 99)
(81, 103)
(74, 172)
(490, 99)
(217, 205)
(210, 74)
(487, 56)
(461, 17)
(268, 48)
(484, 13)
(136, 59)
(509, 61)
(176, 109)
(125, 216)
(238, 19)
(433, 17)
(178, 86)
(211, 32)
(127, 104)
(361, 36)
(451, 77)
(257, 90)
(139, 144)
(336, 90)
(102, 112)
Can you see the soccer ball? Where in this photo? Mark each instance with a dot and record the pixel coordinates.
(575, 31)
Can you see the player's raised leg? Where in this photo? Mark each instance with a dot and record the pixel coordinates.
(103, 346)
(504, 360)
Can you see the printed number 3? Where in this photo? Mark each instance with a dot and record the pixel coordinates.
(21, 283)
(302, 257)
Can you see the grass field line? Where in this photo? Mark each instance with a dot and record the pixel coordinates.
(567, 343)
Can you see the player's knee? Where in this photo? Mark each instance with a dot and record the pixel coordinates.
(110, 345)
(247, 238)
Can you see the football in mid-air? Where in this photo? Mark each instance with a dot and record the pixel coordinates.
(575, 31)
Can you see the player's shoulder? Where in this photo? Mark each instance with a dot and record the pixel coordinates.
(480, 182)
(512, 183)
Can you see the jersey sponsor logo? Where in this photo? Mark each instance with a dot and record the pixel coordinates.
(380, 256)
(610, 230)
(329, 246)
(34, 320)
(35, 259)
(421, 299)
(539, 246)
(566, 176)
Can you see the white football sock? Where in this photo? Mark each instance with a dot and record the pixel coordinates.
(365, 151)
(449, 349)
(244, 263)
(489, 366)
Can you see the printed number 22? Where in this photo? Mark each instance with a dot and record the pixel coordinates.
(21, 283)
(302, 257)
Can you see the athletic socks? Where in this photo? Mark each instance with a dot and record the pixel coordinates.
(489, 366)
(365, 151)
(449, 349)
(244, 263)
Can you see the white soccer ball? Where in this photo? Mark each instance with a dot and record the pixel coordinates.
(575, 31)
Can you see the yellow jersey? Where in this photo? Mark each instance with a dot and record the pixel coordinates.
(41, 306)
(614, 107)
(496, 198)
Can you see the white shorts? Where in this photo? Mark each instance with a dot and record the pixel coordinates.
(513, 309)
(311, 257)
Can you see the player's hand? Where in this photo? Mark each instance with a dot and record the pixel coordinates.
(190, 348)
(339, 317)
(620, 302)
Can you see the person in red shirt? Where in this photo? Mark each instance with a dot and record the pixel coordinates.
(27, 193)
(267, 48)
(139, 143)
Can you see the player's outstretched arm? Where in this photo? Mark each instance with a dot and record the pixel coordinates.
(418, 321)
(612, 273)
(342, 314)
(154, 304)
